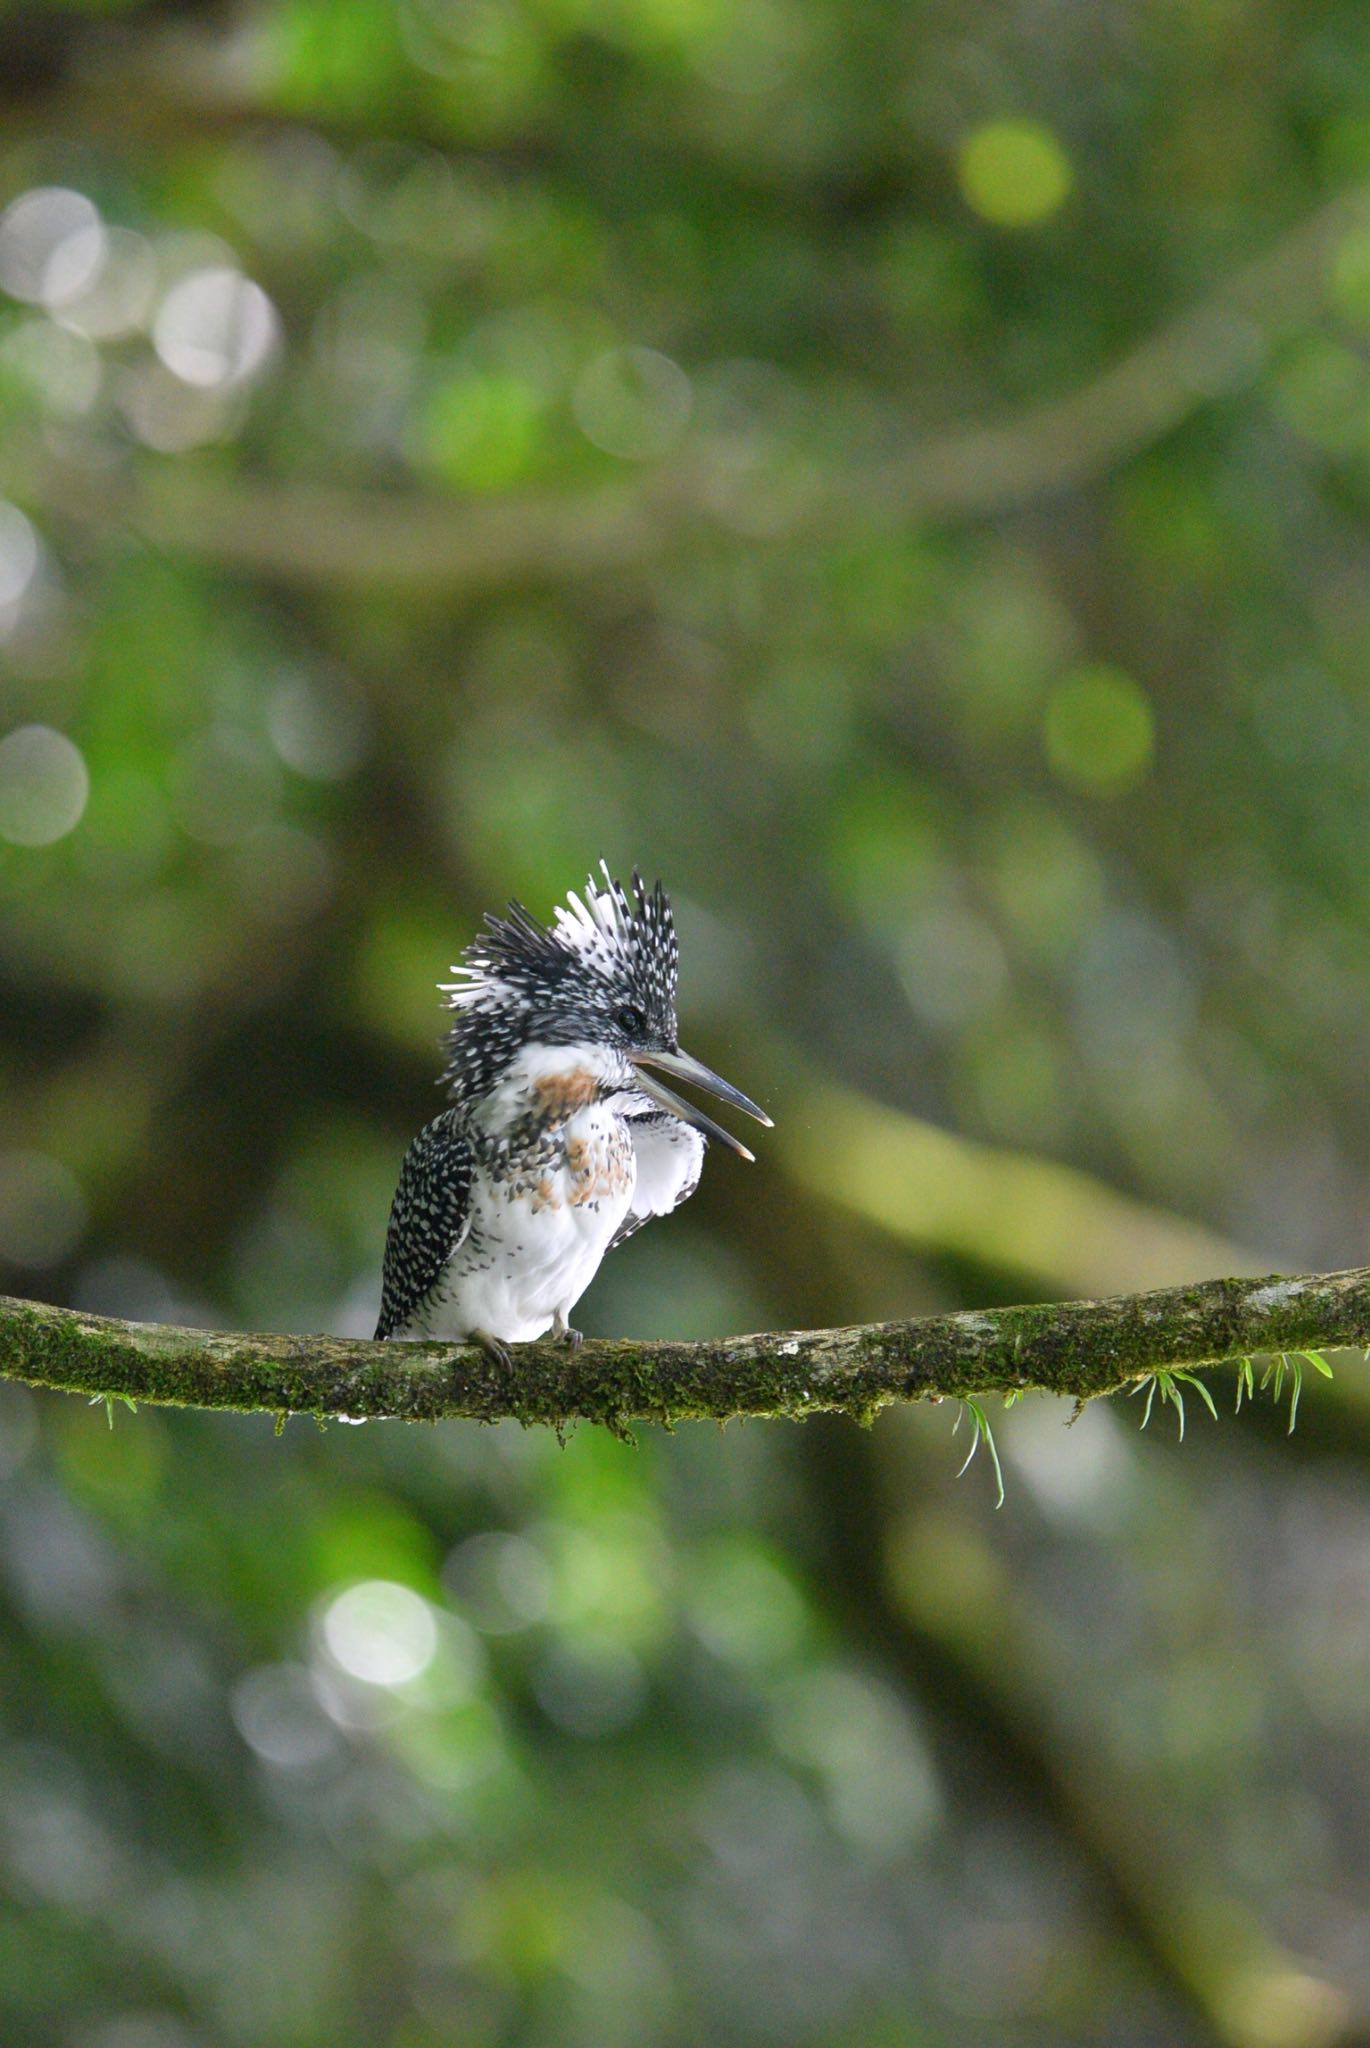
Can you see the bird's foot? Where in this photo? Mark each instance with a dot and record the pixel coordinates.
(562, 1333)
(492, 1347)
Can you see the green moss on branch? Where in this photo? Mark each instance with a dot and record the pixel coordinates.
(1079, 1349)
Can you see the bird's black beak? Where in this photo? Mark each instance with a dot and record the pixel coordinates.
(681, 1067)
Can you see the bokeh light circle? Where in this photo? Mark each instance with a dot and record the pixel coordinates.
(19, 553)
(44, 786)
(1100, 732)
(215, 328)
(633, 402)
(1014, 173)
(381, 1632)
(51, 245)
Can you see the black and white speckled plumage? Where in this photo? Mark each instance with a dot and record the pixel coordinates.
(433, 1206)
(552, 1150)
(522, 982)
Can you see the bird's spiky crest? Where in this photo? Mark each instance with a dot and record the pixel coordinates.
(606, 952)
(617, 937)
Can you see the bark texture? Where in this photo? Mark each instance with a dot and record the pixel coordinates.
(1077, 1348)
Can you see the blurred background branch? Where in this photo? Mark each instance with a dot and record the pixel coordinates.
(313, 534)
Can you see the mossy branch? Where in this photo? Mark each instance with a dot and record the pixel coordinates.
(1077, 1348)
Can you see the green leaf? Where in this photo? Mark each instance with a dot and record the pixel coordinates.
(1170, 1392)
(1246, 1381)
(1149, 1386)
(1194, 1381)
(981, 1433)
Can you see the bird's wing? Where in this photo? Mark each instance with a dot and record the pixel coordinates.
(669, 1157)
(429, 1218)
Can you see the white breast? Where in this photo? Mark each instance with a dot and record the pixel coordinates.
(541, 1218)
(533, 1256)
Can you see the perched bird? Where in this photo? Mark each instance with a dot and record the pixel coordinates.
(560, 1141)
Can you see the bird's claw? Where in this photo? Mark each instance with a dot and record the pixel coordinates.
(493, 1348)
(562, 1333)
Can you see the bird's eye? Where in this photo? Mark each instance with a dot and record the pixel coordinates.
(630, 1020)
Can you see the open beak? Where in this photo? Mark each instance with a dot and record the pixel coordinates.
(681, 1067)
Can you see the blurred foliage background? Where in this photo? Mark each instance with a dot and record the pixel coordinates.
(902, 473)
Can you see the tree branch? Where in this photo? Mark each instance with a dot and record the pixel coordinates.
(323, 535)
(1079, 1349)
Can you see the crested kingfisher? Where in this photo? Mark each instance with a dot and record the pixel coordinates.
(560, 1140)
